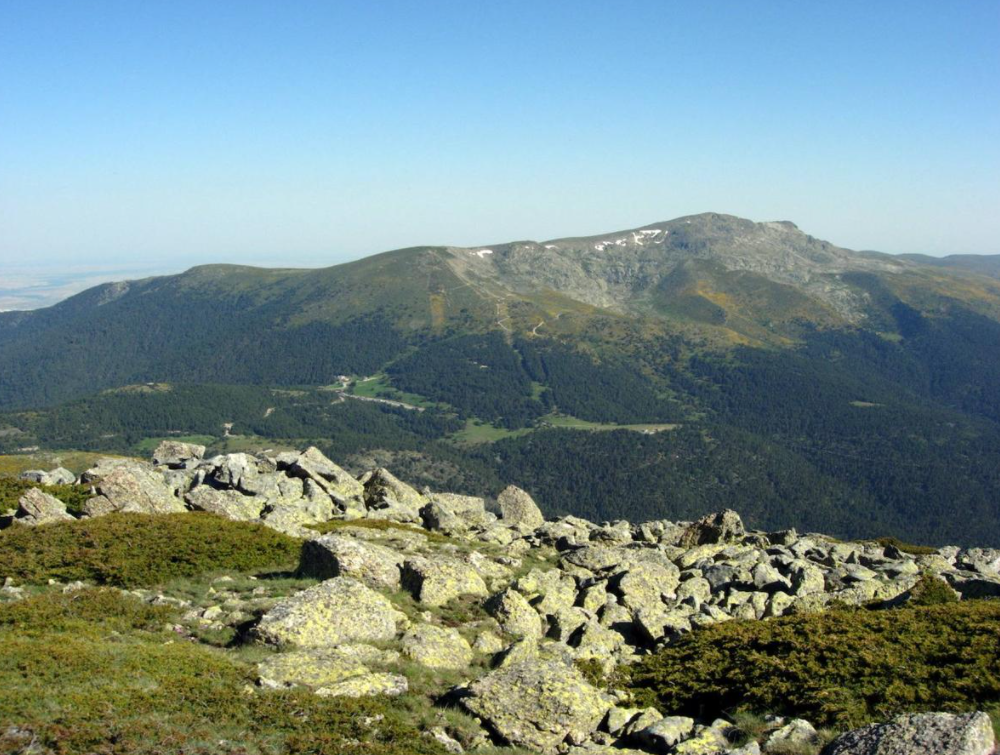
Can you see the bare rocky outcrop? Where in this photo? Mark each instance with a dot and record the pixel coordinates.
(130, 486)
(344, 556)
(538, 705)
(336, 612)
(175, 454)
(915, 734)
(517, 507)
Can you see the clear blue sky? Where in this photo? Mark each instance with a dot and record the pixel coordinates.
(169, 133)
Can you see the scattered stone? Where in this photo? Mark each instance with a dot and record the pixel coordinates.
(132, 487)
(517, 507)
(795, 733)
(537, 705)
(433, 582)
(722, 527)
(514, 614)
(175, 454)
(228, 503)
(386, 497)
(437, 647)
(666, 732)
(342, 556)
(367, 685)
(338, 611)
(36, 507)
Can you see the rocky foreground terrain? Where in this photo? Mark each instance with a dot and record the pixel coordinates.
(527, 613)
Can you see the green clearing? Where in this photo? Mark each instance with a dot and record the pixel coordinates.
(378, 386)
(477, 432)
(566, 422)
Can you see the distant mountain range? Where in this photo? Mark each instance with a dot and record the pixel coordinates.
(864, 385)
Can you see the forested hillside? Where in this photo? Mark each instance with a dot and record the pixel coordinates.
(704, 362)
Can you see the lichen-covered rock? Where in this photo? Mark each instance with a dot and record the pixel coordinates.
(514, 614)
(342, 556)
(666, 732)
(367, 685)
(711, 740)
(517, 507)
(175, 454)
(57, 476)
(796, 733)
(645, 585)
(387, 497)
(721, 527)
(130, 486)
(433, 582)
(318, 667)
(487, 643)
(338, 611)
(917, 734)
(36, 507)
(437, 647)
(469, 510)
(337, 483)
(537, 705)
(231, 504)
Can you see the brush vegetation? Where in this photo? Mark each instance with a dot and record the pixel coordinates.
(134, 550)
(842, 668)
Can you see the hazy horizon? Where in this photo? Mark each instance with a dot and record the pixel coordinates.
(251, 132)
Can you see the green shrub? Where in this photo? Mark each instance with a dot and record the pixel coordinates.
(102, 684)
(12, 488)
(843, 668)
(132, 550)
(106, 608)
(931, 591)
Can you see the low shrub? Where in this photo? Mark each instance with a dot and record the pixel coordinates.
(931, 591)
(845, 667)
(104, 608)
(134, 550)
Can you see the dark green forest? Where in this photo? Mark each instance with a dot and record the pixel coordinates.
(891, 428)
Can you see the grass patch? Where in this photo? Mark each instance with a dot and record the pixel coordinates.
(379, 386)
(93, 683)
(135, 550)
(476, 432)
(12, 488)
(841, 668)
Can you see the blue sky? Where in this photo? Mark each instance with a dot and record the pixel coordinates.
(162, 134)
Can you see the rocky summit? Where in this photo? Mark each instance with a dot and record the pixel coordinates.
(522, 614)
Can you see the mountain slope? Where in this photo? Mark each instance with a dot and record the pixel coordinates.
(713, 278)
(855, 392)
